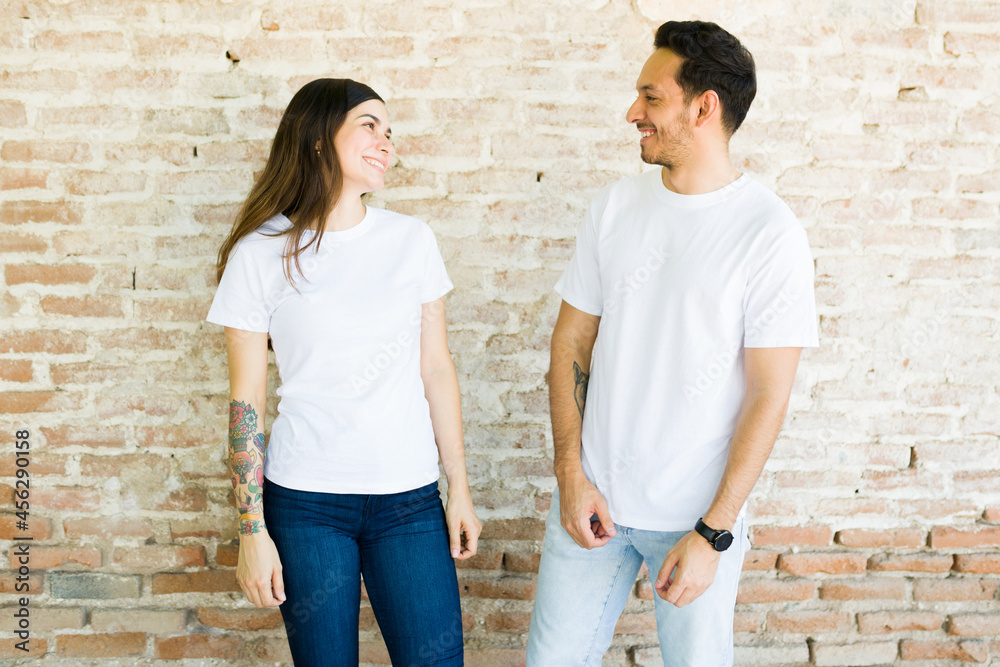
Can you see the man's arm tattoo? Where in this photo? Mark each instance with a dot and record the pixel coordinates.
(580, 390)
(246, 464)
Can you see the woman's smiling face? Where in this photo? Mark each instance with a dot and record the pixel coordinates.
(364, 148)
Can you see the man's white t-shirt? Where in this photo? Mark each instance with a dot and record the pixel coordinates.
(682, 284)
(352, 417)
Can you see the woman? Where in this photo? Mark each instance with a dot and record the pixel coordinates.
(352, 297)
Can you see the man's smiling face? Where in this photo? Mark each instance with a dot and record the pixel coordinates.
(660, 112)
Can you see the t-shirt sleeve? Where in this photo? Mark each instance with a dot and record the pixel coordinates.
(780, 305)
(239, 302)
(580, 284)
(435, 283)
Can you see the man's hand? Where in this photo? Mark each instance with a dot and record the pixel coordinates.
(579, 502)
(696, 561)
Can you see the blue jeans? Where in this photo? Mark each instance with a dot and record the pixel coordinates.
(582, 593)
(398, 542)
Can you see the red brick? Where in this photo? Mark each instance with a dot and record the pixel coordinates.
(757, 591)
(919, 562)
(494, 657)
(744, 621)
(815, 536)
(974, 624)
(485, 559)
(505, 588)
(88, 436)
(515, 562)
(871, 589)
(16, 370)
(939, 590)
(66, 498)
(177, 436)
(803, 564)
(12, 114)
(271, 649)
(807, 622)
(513, 622)
(183, 500)
(160, 556)
(23, 402)
(240, 619)
(978, 563)
(859, 653)
(22, 179)
(37, 647)
(946, 537)
(227, 555)
(869, 539)
(11, 583)
(513, 529)
(86, 372)
(198, 646)
(18, 274)
(38, 528)
(61, 212)
(41, 464)
(756, 559)
(113, 645)
(102, 183)
(83, 306)
(967, 651)
(112, 466)
(83, 42)
(11, 243)
(884, 622)
(205, 581)
(47, 151)
(43, 340)
(936, 509)
(107, 528)
(44, 558)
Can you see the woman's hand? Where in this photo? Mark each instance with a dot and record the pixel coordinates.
(259, 570)
(463, 525)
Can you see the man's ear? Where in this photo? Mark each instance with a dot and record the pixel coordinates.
(708, 106)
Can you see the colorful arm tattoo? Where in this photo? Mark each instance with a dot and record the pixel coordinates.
(246, 464)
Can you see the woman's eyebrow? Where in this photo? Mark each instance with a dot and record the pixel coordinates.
(377, 121)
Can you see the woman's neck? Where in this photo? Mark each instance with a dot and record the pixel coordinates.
(348, 212)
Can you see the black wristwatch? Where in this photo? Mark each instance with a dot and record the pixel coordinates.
(719, 539)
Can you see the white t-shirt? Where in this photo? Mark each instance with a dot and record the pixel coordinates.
(352, 417)
(682, 284)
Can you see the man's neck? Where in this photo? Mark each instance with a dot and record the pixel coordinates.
(707, 173)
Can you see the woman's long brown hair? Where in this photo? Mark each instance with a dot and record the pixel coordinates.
(299, 181)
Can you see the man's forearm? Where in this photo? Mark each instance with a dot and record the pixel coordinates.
(568, 380)
(759, 423)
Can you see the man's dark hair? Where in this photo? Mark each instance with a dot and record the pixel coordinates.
(713, 60)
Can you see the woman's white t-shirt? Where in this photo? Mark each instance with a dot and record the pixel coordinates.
(352, 417)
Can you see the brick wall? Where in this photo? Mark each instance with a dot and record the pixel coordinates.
(130, 131)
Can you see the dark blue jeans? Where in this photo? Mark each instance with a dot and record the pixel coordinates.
(398, 542)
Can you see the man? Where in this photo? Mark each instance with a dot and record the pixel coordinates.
(684, 310)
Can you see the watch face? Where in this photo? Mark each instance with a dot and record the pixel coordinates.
(723, 541)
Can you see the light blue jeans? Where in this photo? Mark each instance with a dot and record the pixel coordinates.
(582, 593)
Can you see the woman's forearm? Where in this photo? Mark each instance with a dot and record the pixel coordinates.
(441, 391)
(246, 464)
